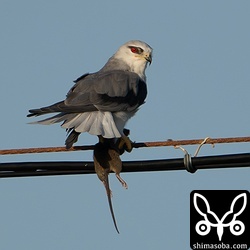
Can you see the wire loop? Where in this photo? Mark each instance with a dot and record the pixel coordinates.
(188, 164)
(188, 158)
(199, 147)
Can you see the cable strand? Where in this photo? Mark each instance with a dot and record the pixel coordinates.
(166, 143)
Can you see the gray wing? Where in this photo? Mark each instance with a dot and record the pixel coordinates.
(106, 91)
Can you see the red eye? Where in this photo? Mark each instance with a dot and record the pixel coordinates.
(134, 50)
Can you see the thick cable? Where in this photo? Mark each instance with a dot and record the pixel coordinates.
(25, 169)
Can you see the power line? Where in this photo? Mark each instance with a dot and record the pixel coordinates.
(135, 145)
(191, 164)
(25, 169)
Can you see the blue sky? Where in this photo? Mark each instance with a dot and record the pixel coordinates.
(198, 86)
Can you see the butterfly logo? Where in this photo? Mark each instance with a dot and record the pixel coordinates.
(229, 219)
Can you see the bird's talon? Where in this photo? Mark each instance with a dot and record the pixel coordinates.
(125, 144)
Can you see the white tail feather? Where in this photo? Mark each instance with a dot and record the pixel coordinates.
(95, 123)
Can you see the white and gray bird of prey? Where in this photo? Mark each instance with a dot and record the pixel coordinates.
(101, 103)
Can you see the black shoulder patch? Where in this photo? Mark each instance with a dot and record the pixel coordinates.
(81, 77)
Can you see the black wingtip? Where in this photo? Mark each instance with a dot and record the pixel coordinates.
(31, 114)
(34, 112)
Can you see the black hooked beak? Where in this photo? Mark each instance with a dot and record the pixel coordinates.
(149, 59)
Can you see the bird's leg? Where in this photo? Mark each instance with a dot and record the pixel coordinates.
(124, 184)
(101, 139)
(125, 143)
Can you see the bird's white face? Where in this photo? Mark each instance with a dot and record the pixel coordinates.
(136, 54)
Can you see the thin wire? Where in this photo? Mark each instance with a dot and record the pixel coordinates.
(199, 147)
(135, 145)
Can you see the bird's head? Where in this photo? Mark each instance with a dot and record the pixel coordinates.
(136, 54)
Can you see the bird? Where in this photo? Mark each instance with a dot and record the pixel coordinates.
(101, 103)
(106, 159)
